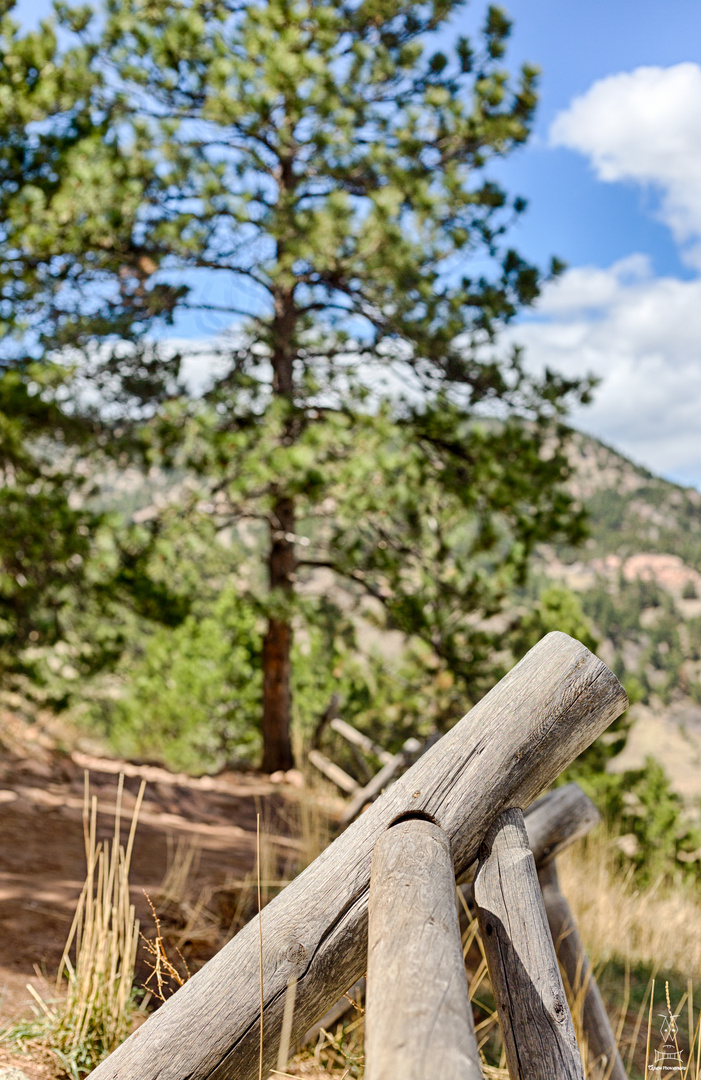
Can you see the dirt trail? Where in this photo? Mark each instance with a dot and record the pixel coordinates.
(42, 854)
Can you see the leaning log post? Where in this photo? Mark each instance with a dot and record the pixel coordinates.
(553, 822)
(536, 1025)
(333, 772)
(557, 819)
(357, 738)
(603, 1060)
(504, 753)
(418, 1018)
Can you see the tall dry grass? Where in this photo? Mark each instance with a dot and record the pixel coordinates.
(651, 934)
(659, 926)
(90, 1014)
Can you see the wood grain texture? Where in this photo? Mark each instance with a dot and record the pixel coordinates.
(557, 819)
(553, 822)
(418, 1018)
(504, 753)
(603, 1060)
(535, 1020)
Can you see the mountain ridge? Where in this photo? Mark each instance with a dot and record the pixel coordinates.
(638, 580)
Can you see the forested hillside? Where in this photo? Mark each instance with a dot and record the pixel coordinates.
(638, 580)
(634, 585)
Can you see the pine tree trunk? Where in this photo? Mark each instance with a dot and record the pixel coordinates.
(277, 646)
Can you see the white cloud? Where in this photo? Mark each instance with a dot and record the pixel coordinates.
(642, 336)
(645, 126)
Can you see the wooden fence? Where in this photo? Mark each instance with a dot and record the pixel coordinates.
(381, 898)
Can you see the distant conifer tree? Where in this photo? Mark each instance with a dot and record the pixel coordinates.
(312, 174)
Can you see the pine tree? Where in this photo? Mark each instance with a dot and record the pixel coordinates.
(309, 177)
(44, 538)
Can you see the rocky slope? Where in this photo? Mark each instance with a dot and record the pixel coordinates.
(638, 578)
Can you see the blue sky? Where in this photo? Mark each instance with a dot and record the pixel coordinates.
(576, 45)
(613, 178)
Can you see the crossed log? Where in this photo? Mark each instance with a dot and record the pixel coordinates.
(499, 758)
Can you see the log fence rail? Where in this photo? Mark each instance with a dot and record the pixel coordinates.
(382, 897)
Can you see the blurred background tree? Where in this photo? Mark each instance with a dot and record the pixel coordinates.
(45, 538)
(308, 179)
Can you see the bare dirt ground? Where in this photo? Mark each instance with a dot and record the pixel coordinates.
(206, 825)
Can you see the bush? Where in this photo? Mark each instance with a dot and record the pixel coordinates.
(640, 804)
(192, 698)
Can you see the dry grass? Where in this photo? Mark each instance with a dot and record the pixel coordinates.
(164, 978)
(311, 825)
(655, 926)
(649, 939)
(183, 860)
(307, 820)
(690, 1068)
(655, 929)
(187, 917)
(337, 1053)
(90, 1012)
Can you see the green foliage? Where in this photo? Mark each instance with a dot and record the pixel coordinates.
(640, 804)
(312, 179)
(637, 803)
(655, 650)
(45, 114)
(388, 688)
(558, 608)
(429, 517)
(190, 697)
(324, 136)
(46, 534)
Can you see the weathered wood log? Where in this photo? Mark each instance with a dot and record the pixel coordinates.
(557, 819)
(603, 1060)
(333, 772)
(553, 822)
(536, 1025)
(418, 1018)
(504, 753)
(380, 781)
(357, 738)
